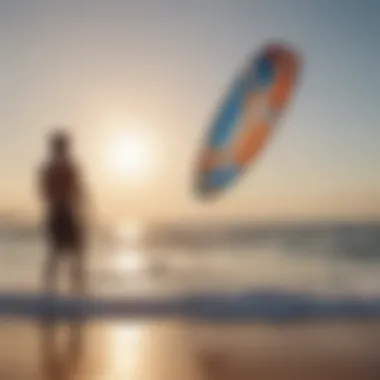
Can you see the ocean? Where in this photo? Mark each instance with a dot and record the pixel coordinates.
(255, 261)
(199, 302)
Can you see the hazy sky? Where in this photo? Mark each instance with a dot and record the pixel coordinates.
(162, 66)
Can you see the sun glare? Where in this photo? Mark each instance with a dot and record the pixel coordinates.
(130, 154)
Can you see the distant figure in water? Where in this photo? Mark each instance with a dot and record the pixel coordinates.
(64, 199)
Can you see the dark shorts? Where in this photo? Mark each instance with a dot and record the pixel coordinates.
(65, 230)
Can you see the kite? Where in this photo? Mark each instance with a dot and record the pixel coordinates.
(247, 118)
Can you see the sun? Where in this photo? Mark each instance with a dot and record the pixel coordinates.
(130, 154)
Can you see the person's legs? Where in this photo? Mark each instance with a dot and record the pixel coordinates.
(55, 242)
(51, 271)
(78, 283)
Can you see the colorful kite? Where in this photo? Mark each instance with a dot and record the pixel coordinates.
(247, 118)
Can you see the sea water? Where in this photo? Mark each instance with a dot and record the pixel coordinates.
(333, 258)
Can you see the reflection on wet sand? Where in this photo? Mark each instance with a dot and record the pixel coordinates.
(137, 350)
(61, 360)
(141, 350)
(176, 350)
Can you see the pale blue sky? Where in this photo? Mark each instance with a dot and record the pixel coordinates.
(102, 65)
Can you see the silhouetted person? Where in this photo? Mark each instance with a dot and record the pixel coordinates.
(62, 193)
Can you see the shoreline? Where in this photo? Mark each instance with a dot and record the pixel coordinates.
(256, 306)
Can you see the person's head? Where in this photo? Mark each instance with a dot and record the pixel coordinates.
(60, 143)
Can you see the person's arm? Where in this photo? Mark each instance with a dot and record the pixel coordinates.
(42, 184)
(80, 195)
(85, 208)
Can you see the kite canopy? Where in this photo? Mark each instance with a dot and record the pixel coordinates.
(246, 118)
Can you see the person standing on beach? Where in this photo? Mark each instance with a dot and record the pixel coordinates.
(62, 193)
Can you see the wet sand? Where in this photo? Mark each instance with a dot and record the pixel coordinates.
(306, 351)
(175, 350)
